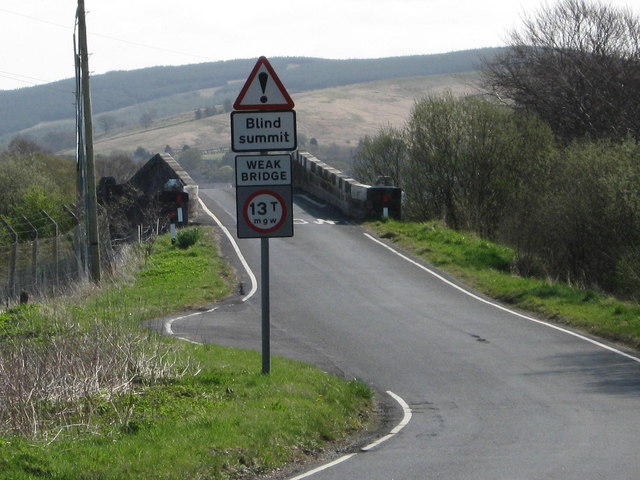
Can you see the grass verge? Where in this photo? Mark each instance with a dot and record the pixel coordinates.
(486, 266)
(170, 279)
(179, 411)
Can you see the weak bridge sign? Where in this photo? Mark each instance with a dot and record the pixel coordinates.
(253, 170)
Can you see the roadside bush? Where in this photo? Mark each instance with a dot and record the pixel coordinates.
(33, 181)
(627, 273)
(571, 212)
(382, 155)
(188, 237)
(584, 221)
(470, 160)
(28, 171)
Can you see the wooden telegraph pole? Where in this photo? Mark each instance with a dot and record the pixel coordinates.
(90, 192)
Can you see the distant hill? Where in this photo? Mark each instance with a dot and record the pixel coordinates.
(336, 117)
(45, 106)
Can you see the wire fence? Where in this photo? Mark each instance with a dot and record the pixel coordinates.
(46, 253)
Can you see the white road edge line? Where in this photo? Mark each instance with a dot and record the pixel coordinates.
(254, 287)
(168, 330)
(500, 307)
(254, 281)
(324, 467)
(403, 423)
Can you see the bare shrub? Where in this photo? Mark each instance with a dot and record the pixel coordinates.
(48, 384)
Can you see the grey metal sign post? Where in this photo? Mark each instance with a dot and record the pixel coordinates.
(266, 305)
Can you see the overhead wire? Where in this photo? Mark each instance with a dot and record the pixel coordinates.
(32, 80)
(91, 34)
(25, 78)
(33, 18)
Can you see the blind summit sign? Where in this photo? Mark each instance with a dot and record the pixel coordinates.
(266, 120)
(263, 131)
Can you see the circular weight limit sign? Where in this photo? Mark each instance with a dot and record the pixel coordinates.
(264, 211)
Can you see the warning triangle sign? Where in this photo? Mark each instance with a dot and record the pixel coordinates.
(263, 90)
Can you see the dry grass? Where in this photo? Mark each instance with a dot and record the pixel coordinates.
(340, 115)
(60, 377)
(63, 359)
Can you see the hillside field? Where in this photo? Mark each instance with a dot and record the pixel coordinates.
(339, 115)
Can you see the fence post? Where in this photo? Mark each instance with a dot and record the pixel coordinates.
(34, 253)
(14, 258)
(56, 246)
(78, 245)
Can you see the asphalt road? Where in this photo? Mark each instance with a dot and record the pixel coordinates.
(494, 395)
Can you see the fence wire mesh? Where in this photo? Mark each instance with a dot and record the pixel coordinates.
(44, 254)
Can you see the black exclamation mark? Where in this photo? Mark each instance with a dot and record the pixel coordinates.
(263, 77)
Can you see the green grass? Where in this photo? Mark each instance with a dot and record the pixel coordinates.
(486, 266)
(24, 321)
(223, 420)
(172, 279)
(227, 422)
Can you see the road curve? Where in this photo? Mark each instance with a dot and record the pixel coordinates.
(493, 394)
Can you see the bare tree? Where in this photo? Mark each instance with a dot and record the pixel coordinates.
(117, 165)
(147, 118)
(23, 145)
(107, 122)
(576, 64)
(381, 155)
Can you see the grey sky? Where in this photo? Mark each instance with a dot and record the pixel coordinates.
(37, 46)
